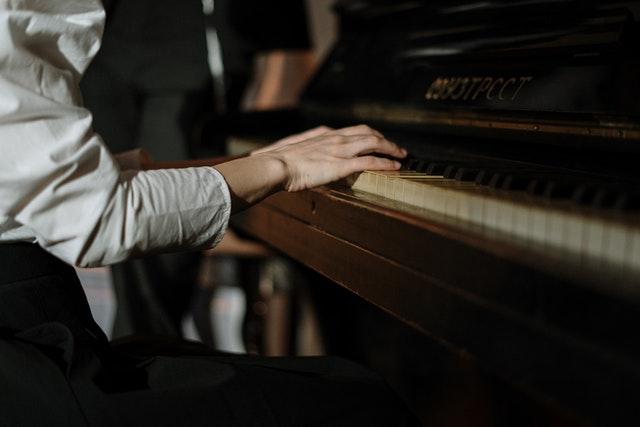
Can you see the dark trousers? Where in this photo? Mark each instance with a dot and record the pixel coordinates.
(57, 368)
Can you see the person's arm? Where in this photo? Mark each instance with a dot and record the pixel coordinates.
(59, 185)
(309, 159)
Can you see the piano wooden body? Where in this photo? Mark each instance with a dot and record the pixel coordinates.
(513, 233)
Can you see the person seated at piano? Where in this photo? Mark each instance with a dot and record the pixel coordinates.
(66, 200)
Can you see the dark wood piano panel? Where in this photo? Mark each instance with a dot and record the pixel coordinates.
(543, 328)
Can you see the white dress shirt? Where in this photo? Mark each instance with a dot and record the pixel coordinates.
(59, 185)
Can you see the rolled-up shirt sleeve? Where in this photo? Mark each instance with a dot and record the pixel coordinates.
(58, 182)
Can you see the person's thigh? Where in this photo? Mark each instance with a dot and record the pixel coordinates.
(251, 390)
(247, 391)
(34, 389)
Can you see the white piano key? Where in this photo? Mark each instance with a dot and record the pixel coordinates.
(521, 221)
(370, 182)
(363, 183)
(413, 194)
(424, 195)
(594, 238)
(615, 243)
(537, 225)
(555, 227)
(451, 203)
(404, 190)
(388, 187)
(398, 185)
(381, 184)
(464, 207)
(633, 253)
(504, 218)
(491, 213)
(435, 202)
(574, 233)
(476, 209)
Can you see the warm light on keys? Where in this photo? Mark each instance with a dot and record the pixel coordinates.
(590, 236)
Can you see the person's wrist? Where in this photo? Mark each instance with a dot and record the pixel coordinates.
(275, 168)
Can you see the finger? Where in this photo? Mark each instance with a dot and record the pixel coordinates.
(359, 130)
(362, 145)
(363, 163)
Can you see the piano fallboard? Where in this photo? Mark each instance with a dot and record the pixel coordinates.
(516, 70)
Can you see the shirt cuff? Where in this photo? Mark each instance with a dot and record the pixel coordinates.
(225, 215)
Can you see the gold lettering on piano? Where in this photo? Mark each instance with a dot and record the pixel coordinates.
(474, 83)
(474, 87)
(523, 81)
(496, 82)
(460, 89)
(508, 83)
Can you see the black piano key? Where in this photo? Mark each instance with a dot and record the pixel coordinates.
(483, 177)
(435, 168)
(516, 182)
(415, 165)
(605, 198)
(559, 190)
(419, 166)
(537, 187)
(584, 194)
(466, 174)
(408, 164)
(497, 180)
(450, 171)
(628, 202)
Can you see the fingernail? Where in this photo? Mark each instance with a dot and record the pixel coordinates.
(397, 165)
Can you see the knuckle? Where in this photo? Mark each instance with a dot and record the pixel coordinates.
(369, 162)
(336, 139)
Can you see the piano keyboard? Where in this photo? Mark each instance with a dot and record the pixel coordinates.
(593, 235)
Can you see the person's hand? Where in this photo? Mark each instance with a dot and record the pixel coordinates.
(307, 160)
(322, 155)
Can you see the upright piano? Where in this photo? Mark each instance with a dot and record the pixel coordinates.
(512, 233)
